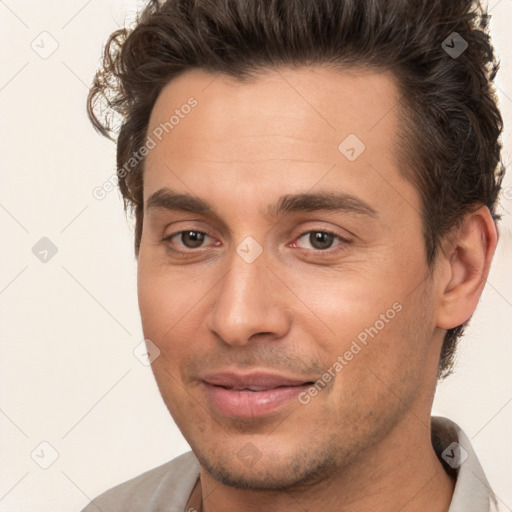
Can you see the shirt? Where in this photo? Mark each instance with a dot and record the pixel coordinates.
(167, 488)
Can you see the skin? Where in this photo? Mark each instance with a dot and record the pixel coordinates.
(363, 442)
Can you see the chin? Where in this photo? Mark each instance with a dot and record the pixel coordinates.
(249, 470)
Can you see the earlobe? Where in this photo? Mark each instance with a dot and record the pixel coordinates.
(467, 257)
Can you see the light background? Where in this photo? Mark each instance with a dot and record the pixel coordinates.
(69, 326)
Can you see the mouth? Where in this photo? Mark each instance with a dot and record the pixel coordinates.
(251, 395)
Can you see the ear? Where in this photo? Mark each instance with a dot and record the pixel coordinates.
(466, 258)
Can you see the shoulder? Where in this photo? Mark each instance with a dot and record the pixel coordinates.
(165, 488)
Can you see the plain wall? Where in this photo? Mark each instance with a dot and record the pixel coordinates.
(69, 325)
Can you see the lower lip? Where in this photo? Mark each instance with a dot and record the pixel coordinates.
(250, 404)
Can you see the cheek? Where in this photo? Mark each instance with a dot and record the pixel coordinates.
(153, 304)
(345, 307)
(369, 329)
(169, 306)
(160, 308)
(377, 379)
(162, 294)
(393, 351)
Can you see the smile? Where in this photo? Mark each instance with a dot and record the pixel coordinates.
(252, 395)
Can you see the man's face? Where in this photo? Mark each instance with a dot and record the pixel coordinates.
(275, 295)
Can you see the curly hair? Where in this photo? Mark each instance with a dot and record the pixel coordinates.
(449, 146)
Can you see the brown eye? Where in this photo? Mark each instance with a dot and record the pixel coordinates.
(318, 240)
(186, 242)
(321, 240)
(192, 239)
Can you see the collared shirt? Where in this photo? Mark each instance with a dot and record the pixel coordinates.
(472, 491)
(168, 488)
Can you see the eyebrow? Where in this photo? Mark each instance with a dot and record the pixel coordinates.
(167, 199)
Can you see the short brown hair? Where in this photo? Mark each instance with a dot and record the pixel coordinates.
(450, 138)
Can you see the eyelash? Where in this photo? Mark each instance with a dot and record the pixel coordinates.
(330, 250)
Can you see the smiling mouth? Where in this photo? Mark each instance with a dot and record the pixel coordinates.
(253, 395)
(262, 388)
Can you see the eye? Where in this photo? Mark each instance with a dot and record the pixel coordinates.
(188, 239)
(320, 240)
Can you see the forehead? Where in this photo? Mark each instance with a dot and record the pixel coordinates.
(282, 129)
(310, 103)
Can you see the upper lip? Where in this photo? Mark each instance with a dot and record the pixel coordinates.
(254, 379)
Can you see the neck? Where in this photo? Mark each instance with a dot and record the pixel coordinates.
(401, 473)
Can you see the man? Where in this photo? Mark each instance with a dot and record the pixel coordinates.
(314, 186)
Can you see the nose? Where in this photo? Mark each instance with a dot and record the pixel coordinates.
(249, 301)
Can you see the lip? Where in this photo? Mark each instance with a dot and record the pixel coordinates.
(228, 393)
